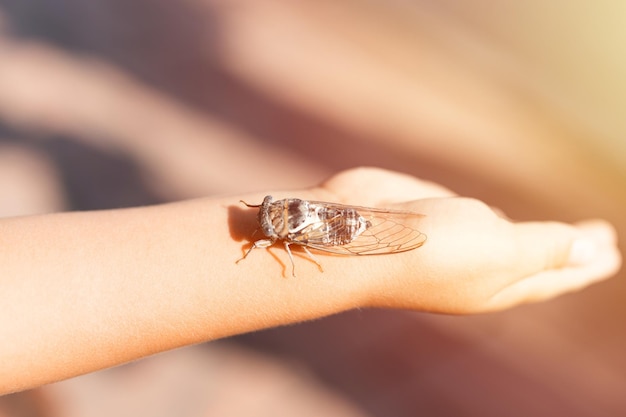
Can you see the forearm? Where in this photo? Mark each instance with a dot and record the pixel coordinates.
(84, 291)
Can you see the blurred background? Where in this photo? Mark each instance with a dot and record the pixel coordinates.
(115, 103)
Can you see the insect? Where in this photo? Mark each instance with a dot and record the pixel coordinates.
(335, 228)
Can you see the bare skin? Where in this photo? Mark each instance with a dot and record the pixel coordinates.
(86, 291)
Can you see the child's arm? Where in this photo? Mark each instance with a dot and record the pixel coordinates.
(85, 291)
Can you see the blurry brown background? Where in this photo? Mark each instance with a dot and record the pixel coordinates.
(113, 103)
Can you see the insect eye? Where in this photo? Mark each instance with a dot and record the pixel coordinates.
(267, 229)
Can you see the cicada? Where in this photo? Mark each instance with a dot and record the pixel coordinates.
(335, 228)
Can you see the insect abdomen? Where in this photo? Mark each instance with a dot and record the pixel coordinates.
(344, 225)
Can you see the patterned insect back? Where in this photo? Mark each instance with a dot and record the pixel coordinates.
(298, 213)
(312, 223)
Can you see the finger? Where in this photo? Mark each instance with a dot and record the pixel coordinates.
(591, 256)
(551, 283)
(599, 230)
(500, 213)
(543, 246)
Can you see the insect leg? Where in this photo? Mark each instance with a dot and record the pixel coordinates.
(313, 258)
(263, 243)
(293, 265)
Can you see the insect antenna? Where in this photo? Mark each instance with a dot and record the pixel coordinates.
(250, 205)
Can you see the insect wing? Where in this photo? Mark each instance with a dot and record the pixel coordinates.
(388, 231)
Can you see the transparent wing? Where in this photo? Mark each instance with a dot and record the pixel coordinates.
(388, 231)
